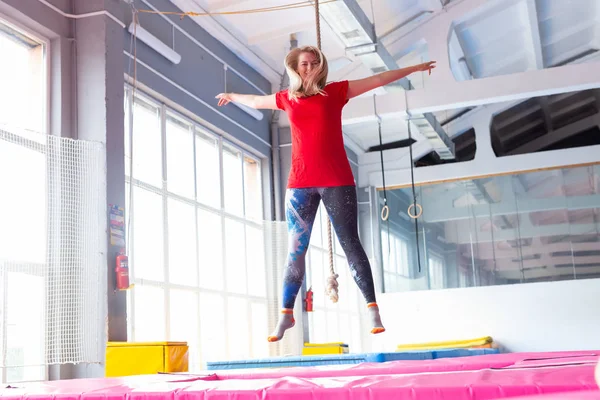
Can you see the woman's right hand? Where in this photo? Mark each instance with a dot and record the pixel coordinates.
(427, 66)
(224, 98)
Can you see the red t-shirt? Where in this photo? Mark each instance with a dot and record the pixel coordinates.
(318, 155)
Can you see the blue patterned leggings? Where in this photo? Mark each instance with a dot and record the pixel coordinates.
(342, 207)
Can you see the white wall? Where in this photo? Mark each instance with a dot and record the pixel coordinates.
(549, 316)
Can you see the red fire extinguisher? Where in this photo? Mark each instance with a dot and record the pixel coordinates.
(309, 300)
(122, 271)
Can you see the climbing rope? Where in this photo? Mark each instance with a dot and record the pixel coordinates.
(318, 23)
(332, 283)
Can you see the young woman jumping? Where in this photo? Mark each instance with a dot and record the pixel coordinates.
(320, 169)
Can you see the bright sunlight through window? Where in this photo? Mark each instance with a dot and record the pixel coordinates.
(23, 181)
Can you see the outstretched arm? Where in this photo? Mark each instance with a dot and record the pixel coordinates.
(250, 100)
(360, 86)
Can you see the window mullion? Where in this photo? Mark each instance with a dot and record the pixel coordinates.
(197, 290)
(223, 247)
(193, 130)
(130, 216)
(165, 197)
(249, 320)
(4, 283)
(243, 185)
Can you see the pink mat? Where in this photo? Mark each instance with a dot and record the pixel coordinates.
(464, 385)
(535, 377)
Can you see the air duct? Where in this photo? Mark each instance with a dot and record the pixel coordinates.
(351, 24)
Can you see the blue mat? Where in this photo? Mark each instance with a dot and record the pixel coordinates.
(337, 359)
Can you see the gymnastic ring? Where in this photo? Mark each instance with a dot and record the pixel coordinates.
(418, 206)
(385, 213)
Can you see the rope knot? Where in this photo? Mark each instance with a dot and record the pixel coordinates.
(332, 288)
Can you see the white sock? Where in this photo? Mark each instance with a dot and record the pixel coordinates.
(377, 326)
(286, 321)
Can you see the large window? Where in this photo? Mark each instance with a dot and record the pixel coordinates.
(22, 79)
(436, 272)
(196, 237)
(395, 256)
(520, 228)
(23, 205)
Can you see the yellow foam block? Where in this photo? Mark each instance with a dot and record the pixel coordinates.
(140, 358)
(485, 341)
(311, 349)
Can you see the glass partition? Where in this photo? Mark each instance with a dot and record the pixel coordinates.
(527, 227)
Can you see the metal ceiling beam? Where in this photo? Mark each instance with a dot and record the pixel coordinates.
(535, 33)
(503, 88)
(351, 24)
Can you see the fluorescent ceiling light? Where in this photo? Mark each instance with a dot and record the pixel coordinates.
(175, 58)
(156, 44)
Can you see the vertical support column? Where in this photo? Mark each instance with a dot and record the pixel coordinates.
(100, 115)
(87, 104)
(62, 60)
(483, 139)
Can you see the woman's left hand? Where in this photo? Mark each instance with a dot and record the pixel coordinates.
(224, 98)
(428, 66)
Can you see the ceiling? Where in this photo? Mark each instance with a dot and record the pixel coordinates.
(271, 41)
(501, 37)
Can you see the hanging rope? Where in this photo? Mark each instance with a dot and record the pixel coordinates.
(332, 283)
(414, 205)
(318, 23)
(385, 211)
(184, 14)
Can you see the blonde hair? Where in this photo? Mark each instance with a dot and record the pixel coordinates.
(315, 83)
